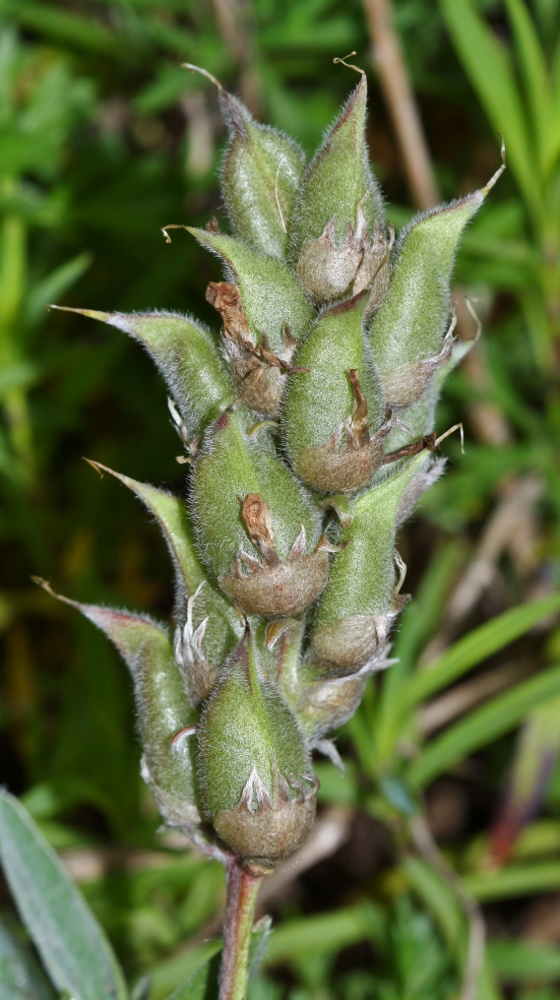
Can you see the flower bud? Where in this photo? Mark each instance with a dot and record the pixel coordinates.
(187, 355)
(407, 333)
(358, 605)
(256, 776)
(260, 178)
(258, 531)
(333, 407)
(163, 709)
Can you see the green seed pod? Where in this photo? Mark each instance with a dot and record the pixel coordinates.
(260, 179)
(408, 332)
(331, 407)
(258, 531)
(188, 357)
(338, 244)
(256, 777)
(358, 605)
(328, 703)
(208, 628)
(164, 712)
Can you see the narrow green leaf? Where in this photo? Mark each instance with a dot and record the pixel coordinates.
(516, 961)
(475, 647)
(203, 985)
(21, 977)
(329, 932)
(54, 286)
(516, 880)
(483, 725)
(71, 943)
(537, 85)
(489, 69)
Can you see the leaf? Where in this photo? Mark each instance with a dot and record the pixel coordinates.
(483, 725)
(71, 943)
(489, 69)
(21, 977)
(516, 961)
(537, 85)
(513, 881)
(475, 647)
(53, 286)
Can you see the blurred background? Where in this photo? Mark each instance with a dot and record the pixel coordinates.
(448, 817)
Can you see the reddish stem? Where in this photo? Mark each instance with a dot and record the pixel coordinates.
(242, 890)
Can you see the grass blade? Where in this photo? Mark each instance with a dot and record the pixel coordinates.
(475, 647)
(489, 70)
(482, 726)
(72, 946)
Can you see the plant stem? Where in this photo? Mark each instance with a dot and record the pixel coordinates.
(242, 890)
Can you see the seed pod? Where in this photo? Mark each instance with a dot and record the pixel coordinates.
(163, 709)
(187, 355)
(338, 244)
(332, 408)
(258, 531)
(358, 605)
(260, 178)
(208, 628)
(407, 333)
(328, 703)
(256, 777)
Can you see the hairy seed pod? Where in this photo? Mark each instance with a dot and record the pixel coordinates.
(257, 529)
(358, 605)
(256, 777)
(333, 410)
(261, 176)
(338, 243)
(407, 333)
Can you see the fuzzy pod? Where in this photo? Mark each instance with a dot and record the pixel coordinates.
(187, 355)
(256, 776)
(208, 628)
(338, 246)
(357, 608)
(408, 331)
(257, 529)
(333, 408)
(168, 764)
(261, 176)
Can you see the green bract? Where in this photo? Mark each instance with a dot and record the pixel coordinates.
(308, 423)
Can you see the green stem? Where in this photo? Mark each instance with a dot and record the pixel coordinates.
(242, 890)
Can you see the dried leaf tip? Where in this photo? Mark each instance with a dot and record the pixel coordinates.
(498, 173)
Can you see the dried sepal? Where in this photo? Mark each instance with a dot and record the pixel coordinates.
(325, 704)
